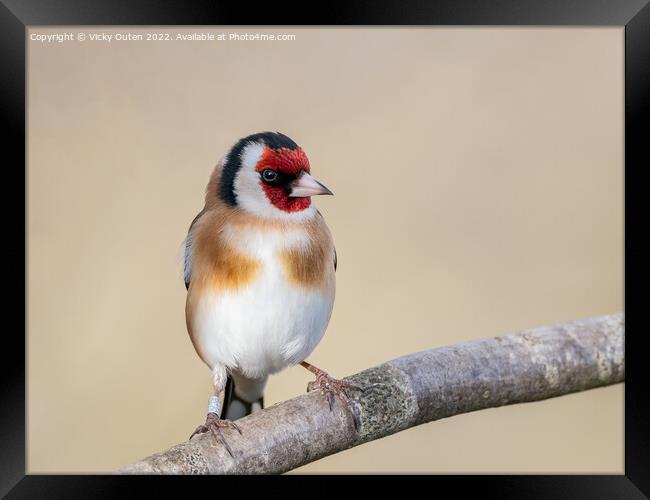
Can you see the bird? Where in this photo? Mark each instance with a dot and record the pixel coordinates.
(259, 269)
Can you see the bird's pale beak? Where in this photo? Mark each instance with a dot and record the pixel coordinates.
(306, 185)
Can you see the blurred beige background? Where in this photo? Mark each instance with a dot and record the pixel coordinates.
(479, 191)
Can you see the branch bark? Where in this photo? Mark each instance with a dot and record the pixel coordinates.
(408, 391)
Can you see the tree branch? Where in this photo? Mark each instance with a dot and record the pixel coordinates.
(408, 391)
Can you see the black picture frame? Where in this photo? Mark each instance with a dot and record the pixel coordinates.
(17, 15)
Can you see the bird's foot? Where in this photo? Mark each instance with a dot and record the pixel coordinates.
(329, 387)
(214, 424)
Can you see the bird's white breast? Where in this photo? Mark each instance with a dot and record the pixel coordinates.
(269, 323)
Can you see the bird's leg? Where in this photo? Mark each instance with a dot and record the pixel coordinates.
(329, 387)
(213, 421)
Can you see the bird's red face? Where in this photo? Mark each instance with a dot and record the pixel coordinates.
(285, 179)
(267, 174)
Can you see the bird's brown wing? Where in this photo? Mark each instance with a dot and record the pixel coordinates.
(187, 260)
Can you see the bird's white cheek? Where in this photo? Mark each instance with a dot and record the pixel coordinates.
(248, 191)
(250, 195)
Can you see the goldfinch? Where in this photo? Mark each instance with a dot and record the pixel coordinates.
(259, 270)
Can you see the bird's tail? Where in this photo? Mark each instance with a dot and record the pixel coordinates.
(237, 403)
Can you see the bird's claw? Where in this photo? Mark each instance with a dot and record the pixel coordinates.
(329, 387)
(214, 424)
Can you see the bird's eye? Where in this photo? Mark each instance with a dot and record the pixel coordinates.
(269, 175)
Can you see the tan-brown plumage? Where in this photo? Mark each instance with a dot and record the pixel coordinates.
(307, 267)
